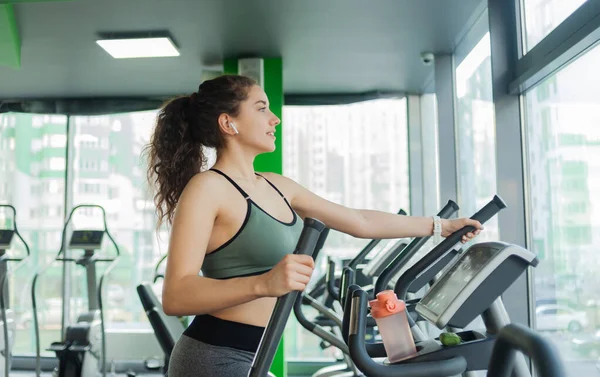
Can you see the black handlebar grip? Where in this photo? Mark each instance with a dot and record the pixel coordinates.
(409, 251)
(489, 210)
(347, 280)
(320, 243)
(484, 214)
(283, 307)
(330, 280)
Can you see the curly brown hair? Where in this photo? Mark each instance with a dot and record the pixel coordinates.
(184, 126)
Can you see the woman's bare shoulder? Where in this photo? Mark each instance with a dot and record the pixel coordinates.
(204, 185)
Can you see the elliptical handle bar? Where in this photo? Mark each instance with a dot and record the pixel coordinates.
(382, 282)
(283, 307)
(483, 215)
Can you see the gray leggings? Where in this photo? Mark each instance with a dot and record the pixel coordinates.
(193, 358)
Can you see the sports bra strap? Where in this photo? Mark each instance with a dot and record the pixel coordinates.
(272, 185)
(246, 196)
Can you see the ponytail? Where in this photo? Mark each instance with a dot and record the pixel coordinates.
(184, 126)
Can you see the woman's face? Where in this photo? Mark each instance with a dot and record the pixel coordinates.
(255, 121)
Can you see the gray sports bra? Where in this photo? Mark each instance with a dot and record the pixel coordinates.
(260, 243)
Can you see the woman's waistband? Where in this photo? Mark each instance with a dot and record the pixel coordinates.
(221, 332)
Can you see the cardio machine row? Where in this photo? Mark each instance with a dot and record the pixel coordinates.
(81, 351)
(460, 286)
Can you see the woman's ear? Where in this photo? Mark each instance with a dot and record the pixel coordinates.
(226, 125)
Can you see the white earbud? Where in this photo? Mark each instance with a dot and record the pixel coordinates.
(233, 126)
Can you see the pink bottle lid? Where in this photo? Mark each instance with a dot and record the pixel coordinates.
(386, 303)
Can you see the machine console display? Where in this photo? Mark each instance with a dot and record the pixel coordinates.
(86, 239)
(6, 236)
(450, 285)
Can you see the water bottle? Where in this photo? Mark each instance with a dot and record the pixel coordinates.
(390, 315)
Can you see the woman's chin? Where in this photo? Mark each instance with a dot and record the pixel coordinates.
(264, 150)
(270, 147)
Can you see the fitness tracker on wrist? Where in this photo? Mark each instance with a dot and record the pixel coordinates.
(437, 229)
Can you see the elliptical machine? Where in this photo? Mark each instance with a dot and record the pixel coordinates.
(7, 320)
(168, 329)
(82, 351)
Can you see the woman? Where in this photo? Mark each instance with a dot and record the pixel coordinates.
(239, 227)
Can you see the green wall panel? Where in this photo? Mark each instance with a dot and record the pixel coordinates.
(10, 44)
(273, 82)
(270, 162)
